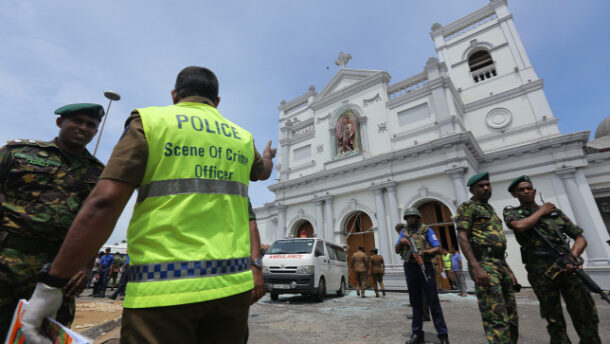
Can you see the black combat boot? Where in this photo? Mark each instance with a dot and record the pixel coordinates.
(444, 339)
(416, 338)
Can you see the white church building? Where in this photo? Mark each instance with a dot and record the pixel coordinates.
(354, 156)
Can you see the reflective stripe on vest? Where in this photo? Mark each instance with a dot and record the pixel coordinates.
(190, 186)
(192, 269)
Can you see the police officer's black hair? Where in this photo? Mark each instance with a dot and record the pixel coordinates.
(196, 81)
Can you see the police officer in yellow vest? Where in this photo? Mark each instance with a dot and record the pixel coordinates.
(447, 268)
(190, 278)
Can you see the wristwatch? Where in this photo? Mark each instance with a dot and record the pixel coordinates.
(50, 280)
(257, 262)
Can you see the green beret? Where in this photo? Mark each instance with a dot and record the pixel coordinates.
(93, 110)
(518, 180)
(477, 177)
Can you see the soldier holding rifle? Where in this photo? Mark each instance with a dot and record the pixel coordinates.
(539, 230)
(417, 244)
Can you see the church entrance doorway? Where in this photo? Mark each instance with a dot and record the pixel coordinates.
(358, 230)
(304, 230)
(438, 217)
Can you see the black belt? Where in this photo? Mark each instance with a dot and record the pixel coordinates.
(481, 252)
(28, 245)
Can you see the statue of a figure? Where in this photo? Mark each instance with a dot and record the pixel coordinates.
(345, 132)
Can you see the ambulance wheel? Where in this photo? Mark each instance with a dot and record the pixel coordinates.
(274, 296)
(321, 290)
(341, 291)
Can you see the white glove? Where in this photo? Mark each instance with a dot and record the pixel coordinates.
(44, 303)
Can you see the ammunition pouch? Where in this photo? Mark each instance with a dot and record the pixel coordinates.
(553, 271)
(28, 245)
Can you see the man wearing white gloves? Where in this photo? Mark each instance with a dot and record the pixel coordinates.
(190, 277)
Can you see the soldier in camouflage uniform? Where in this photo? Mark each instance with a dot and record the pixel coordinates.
(42, 186)
(537, 257)
(483, 242)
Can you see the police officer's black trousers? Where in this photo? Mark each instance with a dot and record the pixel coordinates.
(417, 287)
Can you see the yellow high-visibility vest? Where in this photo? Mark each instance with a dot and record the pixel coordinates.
(188, 238)
(447, 261)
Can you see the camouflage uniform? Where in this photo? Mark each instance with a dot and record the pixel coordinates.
(497, 301)
(41, 190)
(537, 259)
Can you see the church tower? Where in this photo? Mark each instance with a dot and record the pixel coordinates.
(503, 97)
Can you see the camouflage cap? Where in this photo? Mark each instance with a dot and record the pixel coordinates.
(92, 110)
(477, 177)
(518, 180)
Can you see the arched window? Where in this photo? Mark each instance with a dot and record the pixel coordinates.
(481, 65)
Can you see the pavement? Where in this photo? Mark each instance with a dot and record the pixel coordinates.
(352, 319)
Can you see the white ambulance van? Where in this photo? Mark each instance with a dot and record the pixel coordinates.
(308, 266)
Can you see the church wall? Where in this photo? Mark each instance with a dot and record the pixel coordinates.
(508, 115)
(438, 187)
(266, 221)
(519, 125)
(322, 150)
(598, 172)
(494, 41)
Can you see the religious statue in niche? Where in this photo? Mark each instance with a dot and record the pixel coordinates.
(346, 131)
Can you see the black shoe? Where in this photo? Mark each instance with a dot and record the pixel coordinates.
(416, 338)
(358, 292)
(444, 340)
(112, 297)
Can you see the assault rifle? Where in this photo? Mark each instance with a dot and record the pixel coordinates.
(417, 256)
(563, 256)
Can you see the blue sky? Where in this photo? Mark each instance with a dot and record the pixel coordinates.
(57, 52)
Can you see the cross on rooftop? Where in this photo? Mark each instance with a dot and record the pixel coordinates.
(343, 59)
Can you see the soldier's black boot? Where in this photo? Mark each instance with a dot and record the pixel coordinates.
(416, 338)
(444, 339)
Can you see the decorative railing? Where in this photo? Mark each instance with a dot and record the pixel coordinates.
(407, 86)
(470, 27)
(484, 73)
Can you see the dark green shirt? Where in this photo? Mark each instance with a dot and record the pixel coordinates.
(548, 226)
(482, 224)
(42, 188)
